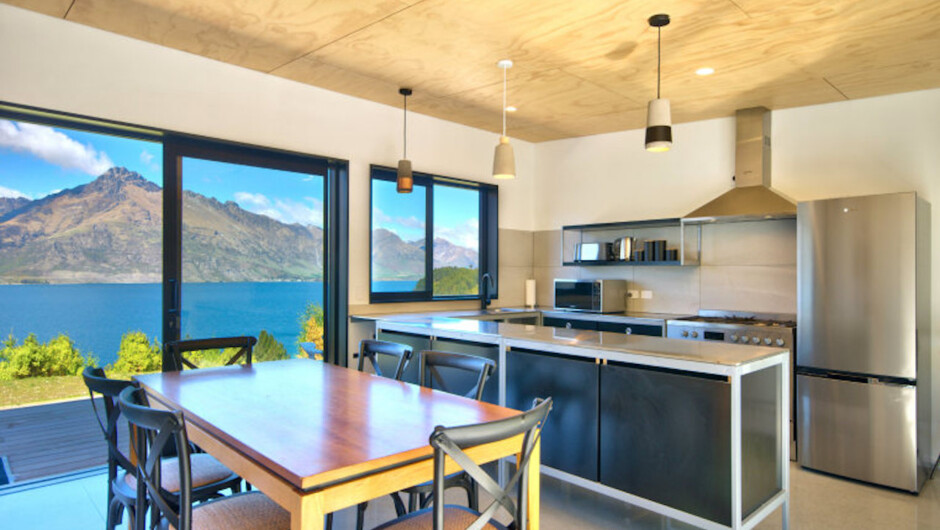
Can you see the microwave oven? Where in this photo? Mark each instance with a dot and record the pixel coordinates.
(595, 296)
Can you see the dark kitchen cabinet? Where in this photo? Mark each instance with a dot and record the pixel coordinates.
(417, 343)
(461, 382)
(651, 330)
(569, 438)
(665, 435)
(571, 323)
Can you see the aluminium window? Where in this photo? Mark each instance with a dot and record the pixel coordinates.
(445, 229)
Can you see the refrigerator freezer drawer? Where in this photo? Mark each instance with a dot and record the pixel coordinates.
(865, 431)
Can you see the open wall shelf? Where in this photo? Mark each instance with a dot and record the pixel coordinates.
(686, 239)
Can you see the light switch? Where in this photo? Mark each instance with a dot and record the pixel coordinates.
(646, 294)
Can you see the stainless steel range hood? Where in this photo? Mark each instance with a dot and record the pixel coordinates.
(751, 199)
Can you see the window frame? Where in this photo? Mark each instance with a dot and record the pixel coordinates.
(488, 247)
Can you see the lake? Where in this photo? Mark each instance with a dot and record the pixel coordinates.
(96, 315)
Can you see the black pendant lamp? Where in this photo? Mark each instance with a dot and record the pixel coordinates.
(658, 116)
(405, 177)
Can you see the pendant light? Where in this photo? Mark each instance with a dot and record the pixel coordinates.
(658, 116)
(405, 177)
(504, 162)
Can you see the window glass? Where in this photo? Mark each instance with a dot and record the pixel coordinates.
(456, 241)
(399, 238)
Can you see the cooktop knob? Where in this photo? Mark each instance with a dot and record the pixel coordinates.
(694, 334)
(779, 342)
(756, 340)
(767, 341)
(685, 333)
(744, 338)
(734, 338)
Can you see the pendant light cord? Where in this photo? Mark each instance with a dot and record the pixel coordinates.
(504, 101)
(659, 56)
(404, 132)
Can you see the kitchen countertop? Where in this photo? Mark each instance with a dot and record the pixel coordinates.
(716, 353)
(509, 311)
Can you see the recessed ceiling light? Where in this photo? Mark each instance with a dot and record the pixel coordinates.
(707, 70)
(510, 108)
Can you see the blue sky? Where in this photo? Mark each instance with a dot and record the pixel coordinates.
(36, 160)
(456, 212)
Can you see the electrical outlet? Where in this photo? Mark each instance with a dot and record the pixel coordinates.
(646, 295)
(633, 294)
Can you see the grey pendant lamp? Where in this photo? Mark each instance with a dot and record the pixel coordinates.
(504, 161)
(405, 177)
(658, 116)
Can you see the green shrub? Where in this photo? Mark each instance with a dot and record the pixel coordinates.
(32, 358)
(137, 354)
(269, 348)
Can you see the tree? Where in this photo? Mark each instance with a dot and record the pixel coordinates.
(269, 348)
(453, 281)
(32, 358)
(137, 354)
(311, 327)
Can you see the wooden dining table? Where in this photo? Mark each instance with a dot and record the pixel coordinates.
(317, 438)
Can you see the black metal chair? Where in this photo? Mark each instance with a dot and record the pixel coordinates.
(450, 442)
(440, 370)
(178, 349)
(124, 492)
(156, 429)
(373, 350)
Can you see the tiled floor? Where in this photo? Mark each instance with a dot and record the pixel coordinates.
(818, 502)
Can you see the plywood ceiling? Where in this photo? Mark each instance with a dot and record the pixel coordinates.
(581, 66)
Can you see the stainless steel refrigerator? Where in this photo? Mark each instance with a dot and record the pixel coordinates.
(863, 341)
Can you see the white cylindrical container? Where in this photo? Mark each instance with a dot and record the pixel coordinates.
(530, 293)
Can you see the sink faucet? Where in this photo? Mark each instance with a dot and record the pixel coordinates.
(486, 290)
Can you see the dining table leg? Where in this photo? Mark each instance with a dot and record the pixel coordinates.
(532, 499)
(308, 513)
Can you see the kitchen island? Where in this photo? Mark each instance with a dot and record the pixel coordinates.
(691, 430)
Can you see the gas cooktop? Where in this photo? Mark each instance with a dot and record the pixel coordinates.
(742, 319)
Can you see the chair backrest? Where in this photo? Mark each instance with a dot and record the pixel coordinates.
(178, 349)
(450, 442)
(109, 389)
(372, 349)
(436, 365)
(156, 429)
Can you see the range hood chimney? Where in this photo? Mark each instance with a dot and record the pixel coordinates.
(751, 199)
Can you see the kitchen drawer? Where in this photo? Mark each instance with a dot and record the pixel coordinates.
(652, 330)
(571, 323)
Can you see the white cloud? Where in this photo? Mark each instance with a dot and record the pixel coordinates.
(9, 193)
(53, 146)
(146, 157)
(306, 212)
(466, 234)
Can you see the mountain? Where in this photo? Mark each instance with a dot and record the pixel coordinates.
(8, 204)
(110, 230)
(395, 259)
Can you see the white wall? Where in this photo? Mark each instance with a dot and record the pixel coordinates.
(876, 145)
(49, 63)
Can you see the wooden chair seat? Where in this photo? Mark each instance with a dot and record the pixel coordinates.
(244, 511)
(205, 470)
(457, 517)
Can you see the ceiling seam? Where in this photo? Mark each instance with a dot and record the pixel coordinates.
(828, 82)
(602, 87)
(337, 39)
(69, 10)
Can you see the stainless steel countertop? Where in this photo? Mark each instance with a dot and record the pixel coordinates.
(718, 353)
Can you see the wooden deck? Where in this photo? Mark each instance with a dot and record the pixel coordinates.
(44, 440)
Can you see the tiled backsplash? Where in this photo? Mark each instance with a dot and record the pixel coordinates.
(744, 267)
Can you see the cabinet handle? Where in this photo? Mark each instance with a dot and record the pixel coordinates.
(629, 331)
(568, 325)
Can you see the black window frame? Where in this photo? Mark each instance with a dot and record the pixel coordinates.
(175, 146)
(488, 252)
